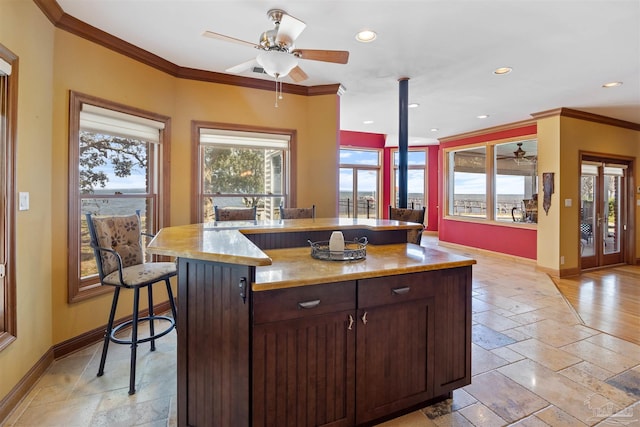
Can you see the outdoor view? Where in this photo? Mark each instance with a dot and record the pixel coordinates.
(113, 181)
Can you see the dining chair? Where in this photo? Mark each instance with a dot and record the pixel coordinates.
(409, 215)
(297, 213)
(235, 214)
(118, 250)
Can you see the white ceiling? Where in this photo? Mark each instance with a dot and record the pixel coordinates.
(561, 52)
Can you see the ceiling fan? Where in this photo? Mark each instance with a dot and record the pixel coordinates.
(520, 156)
(278, 56)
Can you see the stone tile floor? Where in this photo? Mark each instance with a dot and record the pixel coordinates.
(533, 363)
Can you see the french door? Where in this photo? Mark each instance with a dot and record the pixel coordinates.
(603, 211)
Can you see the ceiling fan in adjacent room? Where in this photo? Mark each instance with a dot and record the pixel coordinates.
(278, 55)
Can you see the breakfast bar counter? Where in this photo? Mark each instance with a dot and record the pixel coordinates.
(270, 336)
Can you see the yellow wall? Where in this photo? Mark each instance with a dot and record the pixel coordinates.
(53, 62)
(26, 32)
(560, 141)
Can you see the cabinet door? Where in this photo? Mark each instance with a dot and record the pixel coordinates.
(395, 357)
(303, 371)
(453, 332)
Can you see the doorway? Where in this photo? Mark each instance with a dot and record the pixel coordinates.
(604, 205)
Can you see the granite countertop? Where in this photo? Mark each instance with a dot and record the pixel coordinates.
(225, 241)
(295, 266)
(282, 268)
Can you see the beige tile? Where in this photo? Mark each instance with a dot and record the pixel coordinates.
(507, 354)
(612, 393)
(556, 333)
(600, 356)
(508, 399)
(461, 399)
(629, 416)
(531, 421)
(454, 419)
(544, 354)
(481, 416)
(578, 401)
(594, 370)
(495, 321)
(484, 360)
(75, 412)
(413, 419)
(617, 345)
(554, 416)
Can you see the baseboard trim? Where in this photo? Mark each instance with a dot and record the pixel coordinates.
(20, 391)
(17, 393)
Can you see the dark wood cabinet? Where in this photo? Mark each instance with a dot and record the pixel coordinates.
(304, 356)
(395, 344)
(334, 354)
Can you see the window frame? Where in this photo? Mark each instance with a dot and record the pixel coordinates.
(425, 168)
(289, 163)
(81, 289)
(490, 191)
(355, 167)
(8, 114)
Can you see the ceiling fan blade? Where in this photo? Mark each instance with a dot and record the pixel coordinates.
(337, 56)
(222, 37)
(289, 30)
(242, 67)
(297, 75)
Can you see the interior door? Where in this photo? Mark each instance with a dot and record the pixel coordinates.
(603, 205)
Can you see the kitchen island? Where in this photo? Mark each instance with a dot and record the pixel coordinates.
(269, 336)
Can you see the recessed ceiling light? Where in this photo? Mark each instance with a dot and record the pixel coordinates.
(366, 36)
(368, 122)
(483, 116)
(414, 105)
(502, 70)
(434, 129)
(612, 84)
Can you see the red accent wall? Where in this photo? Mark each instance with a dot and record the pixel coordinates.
(516, 241)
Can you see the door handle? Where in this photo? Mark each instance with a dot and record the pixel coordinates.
(364, 318)
(350, 327)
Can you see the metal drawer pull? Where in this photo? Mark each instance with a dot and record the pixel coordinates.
(401, 291)
(364, 318)
(309, 304)
(350, 327)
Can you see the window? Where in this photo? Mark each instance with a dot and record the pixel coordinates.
(243, 168)
(516, 181)
(8, 125)
(497, 181)
(416, 184)
(117, 152)
(468, 182)
(359, 183)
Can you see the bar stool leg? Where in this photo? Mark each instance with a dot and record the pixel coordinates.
(172, 303)
(107, 332)
(151, 329)
(134, 341)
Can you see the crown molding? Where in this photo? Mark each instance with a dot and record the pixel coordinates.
(486, 131)
(66, 22)
(583, 115)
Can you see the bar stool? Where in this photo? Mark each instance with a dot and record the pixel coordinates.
(117, 246)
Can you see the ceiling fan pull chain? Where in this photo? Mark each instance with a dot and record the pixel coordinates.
(276, 92)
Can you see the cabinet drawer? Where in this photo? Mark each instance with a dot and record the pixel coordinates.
(291, 303)
(394, 289)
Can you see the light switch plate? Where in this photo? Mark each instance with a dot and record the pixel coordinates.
(23, 202)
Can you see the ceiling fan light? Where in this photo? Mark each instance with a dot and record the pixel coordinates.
(277, 63)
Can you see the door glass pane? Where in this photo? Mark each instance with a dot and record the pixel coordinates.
(611, 216)
(587, 212)
(346, 193)
(367, 206)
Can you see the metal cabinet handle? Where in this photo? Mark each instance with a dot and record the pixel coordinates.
(350, 327)
(401, 291)
(364, 318)
(309, 304)
(243, 289)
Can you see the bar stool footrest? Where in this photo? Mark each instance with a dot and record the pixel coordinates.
(169, 328)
